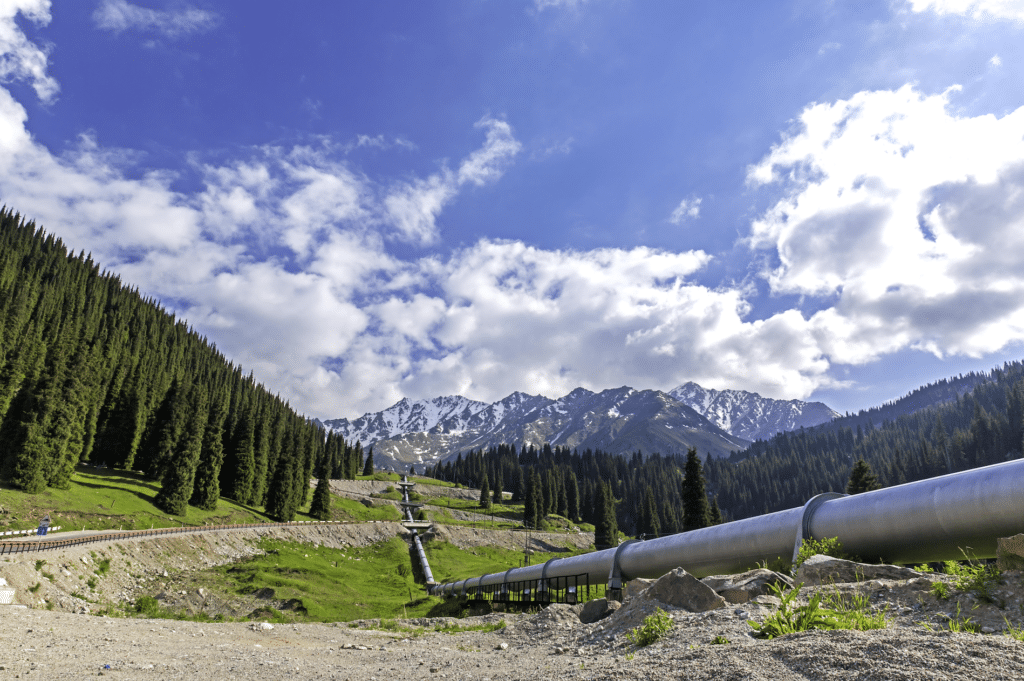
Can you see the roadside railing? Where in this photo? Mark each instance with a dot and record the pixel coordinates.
(118, 535)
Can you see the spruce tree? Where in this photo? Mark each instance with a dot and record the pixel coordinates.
(368, 466)
(861, 478)
(498, 488)
(650, 523)
(180, 472)
(696, 510)
(485, 493)
(606, 529)
(716, 513)
(321, 506)
(206, 489)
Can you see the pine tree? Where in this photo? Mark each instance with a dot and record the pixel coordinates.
(606, 529)
(485, 493)
(861, 478)
(206, 489)
(368, 467)
(696, 511)
(321, 506)
(716, 513)
(498, 488)
(650, 524)
(180, 472)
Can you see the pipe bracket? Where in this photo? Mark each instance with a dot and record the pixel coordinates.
(614, 590)
(803, 530)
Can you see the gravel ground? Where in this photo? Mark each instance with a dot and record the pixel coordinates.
(554, 644)
(551, 645)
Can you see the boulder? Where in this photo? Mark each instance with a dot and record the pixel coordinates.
(683, 590)
(820, 569)
(634, 587)
(1010, 552)
(368, 503)
(597, 609)
(746, 586)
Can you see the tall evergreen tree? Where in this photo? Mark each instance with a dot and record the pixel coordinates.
(650, 523)
(321, 506)
(485, 493)
(368, 466)
(606, 529)
(180, 471)
(696, 510)
(862, 479)
(499, 497)
(206, 488)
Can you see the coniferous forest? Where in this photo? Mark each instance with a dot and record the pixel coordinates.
(663, 494)
(91, 371)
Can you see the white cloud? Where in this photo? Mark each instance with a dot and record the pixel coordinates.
(413, 207)
(1000, 9)
(569, 4)
(911, 218)
(995, 60)
(21, 59)
(687, 208)
(120, 15)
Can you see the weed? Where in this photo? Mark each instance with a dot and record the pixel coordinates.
(655, 626)
(924, 569)
(1015, 632)
(829, 546)
(48, 576)
(841, 612)
(39, 564)
(963, 625)
(102, 567)
(92, 583)
(720, 641)
(35, 588)
(940, 590)
(630, 656)
(970, 575)
(452, 628)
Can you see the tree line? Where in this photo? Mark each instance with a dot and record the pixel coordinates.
(92, 371)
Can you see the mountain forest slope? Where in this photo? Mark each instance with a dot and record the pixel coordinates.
(91, 371)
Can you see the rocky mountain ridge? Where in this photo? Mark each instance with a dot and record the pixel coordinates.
(619, 420)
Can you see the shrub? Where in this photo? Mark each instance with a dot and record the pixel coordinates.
(655, 626)
(828, 546)
(970, 575)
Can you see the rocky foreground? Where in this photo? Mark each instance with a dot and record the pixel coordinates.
(566, 642)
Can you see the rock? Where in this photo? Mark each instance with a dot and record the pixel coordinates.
(634, 587)
(820, 569)
(1010, 553)
(598, 609)
(502, 646)
(368, 503)
(683, 590)
(746, 586)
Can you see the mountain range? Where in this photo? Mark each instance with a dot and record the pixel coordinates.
(620, 420)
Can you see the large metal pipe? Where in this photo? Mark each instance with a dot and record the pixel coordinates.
(427, 574)
(923, 521)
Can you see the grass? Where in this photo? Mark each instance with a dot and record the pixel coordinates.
(823, 610)
(653, 629)
(104, 499)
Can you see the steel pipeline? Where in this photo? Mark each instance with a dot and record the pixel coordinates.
(923, 521)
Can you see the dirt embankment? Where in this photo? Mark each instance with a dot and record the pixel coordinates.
(73, 579)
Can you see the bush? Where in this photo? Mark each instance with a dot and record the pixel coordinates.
(654, 628)
(970, 575)
(829, 546)
(147, 606)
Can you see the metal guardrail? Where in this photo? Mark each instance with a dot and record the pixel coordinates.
(10, 547)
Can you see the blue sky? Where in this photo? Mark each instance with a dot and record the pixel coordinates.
(363, 201)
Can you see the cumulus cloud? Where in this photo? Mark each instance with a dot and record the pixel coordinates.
(687, 208)
(910, 217)
(569, 4)
(413, 207)
(21, 59)
(120, 15)
(1000, 9)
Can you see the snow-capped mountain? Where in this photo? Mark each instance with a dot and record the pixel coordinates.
(621, 420)
(750, 416)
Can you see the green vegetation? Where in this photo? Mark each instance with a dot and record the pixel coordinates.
(972, 576)
(829, 546)
(838, 612)
(720, 641)
(653, 629)
(1014, 632)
